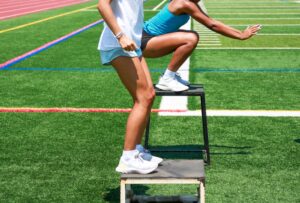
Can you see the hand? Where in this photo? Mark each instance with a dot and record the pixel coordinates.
(127, 44)
(250, 31)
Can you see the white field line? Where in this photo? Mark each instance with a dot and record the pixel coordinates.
(280, 34)
(159, 5)
(200, 45)
(250, 113)
(207, 40)
(207, 37)
(251, 48)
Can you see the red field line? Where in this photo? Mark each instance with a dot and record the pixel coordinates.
(17, 12)
(76, 110)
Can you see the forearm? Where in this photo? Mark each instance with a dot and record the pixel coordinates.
(195, 11)
(225, 30)
(106, 12)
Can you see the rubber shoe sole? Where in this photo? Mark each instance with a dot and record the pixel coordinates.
(122, 168)
(163, 87)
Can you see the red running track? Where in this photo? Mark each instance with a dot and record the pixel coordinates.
(15, 8)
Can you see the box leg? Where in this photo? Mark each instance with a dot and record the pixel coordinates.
(122, 192)
(202, 191)
(205, 128)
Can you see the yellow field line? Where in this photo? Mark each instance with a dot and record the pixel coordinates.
(43, 20)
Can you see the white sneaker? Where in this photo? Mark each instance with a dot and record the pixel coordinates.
(146, 155)
(182, 81)
(136, 165)
(170, 84)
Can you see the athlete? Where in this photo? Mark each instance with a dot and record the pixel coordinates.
(162, 36)
(119, 46)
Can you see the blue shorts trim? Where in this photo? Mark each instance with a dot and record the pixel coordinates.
(108, 55)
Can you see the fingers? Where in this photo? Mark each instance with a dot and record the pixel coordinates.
(128, 45)
(254, 29)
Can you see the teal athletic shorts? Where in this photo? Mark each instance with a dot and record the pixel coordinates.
(108, 55)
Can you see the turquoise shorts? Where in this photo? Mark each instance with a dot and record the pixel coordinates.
(109, 55)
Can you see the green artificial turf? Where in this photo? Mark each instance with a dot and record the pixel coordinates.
(67, 157)
(71, 157)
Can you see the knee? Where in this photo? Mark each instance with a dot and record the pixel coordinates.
(150, 96)
(147, 97)
(193, 39)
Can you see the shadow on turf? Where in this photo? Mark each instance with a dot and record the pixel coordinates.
(297, 140)
(113, 195)
(195, 151)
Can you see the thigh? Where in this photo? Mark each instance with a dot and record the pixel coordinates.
(165, 44)
(147, 72)
(133, 75)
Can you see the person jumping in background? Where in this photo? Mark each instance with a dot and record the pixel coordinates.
(119, 46)
(162, 36)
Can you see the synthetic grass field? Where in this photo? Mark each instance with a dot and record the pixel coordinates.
(71, 157)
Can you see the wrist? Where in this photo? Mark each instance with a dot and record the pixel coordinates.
(242, 36)
(119, 35)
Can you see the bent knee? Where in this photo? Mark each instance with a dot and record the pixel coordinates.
(150, 95)
(146, 98)
(193, 38)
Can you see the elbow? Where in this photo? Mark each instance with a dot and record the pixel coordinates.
(101, 6)
(213, 25)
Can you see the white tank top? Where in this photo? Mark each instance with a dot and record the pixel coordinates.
(130, 16)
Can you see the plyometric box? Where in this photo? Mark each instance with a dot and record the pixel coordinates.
(169, 172)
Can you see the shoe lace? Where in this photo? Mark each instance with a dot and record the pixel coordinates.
(139, 157)
(178, 74)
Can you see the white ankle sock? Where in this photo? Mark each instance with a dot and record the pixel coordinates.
(169, 74)
(128, 154)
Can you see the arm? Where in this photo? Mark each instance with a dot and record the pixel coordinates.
(106, 12)
(196, 13)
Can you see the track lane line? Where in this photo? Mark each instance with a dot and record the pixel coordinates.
(13, 14)
(28, 3)
(43, 20)
(47, 5)
(46, 46)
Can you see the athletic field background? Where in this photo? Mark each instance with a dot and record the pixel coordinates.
(50, 60)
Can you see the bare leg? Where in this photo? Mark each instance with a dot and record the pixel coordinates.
(134, 74)
(182, 43)
(149, 81)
